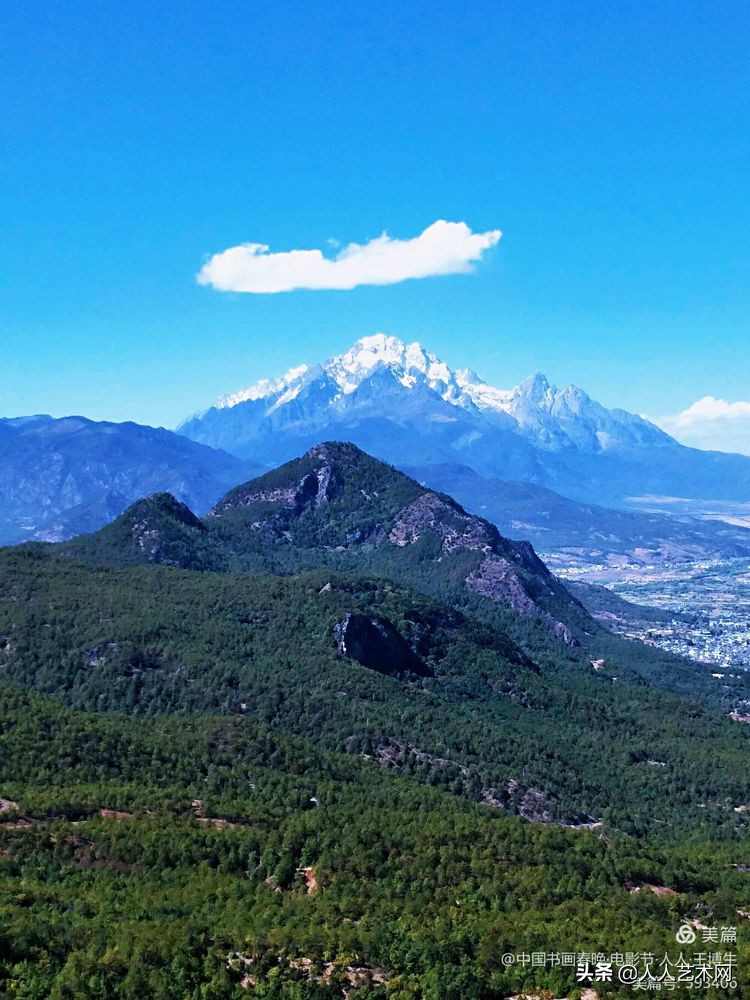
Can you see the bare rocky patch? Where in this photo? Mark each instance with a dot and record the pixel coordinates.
(662, 891)
(510, 796)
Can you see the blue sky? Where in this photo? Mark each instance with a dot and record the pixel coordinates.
(609, 142)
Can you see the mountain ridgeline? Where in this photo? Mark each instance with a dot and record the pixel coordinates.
(62, 477)
(586, 533)
(339, 738)
(339, 509)
(338, 506)
(337, 596)
(404, 405)
(542, 463)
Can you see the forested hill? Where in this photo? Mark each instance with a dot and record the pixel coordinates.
(220, 859)
(340, 738)
(367, 665)
(340, 507)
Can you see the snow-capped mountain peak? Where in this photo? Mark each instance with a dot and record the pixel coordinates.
(380, 378)
(264, 387)
(409, 363)
(535, 386)
(353, 366)
(401, 403)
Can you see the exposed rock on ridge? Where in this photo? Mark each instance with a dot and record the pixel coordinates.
(377, 644)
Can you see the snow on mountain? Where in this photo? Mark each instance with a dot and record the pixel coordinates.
(554, 417)
(265, 387)
(404, 405)
(411, 365)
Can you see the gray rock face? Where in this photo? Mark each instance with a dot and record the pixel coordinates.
(315, 489)
(498, 579)
(377, 644)
(456, 529)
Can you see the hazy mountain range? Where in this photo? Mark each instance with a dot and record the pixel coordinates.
(63, 477)
(586, 533)
(547, 464)
(401, 403)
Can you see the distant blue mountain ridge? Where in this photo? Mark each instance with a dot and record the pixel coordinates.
(547, 464)
(62, 477)
(400, 403)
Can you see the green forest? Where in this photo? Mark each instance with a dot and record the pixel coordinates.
(205, 791)
(144, 855)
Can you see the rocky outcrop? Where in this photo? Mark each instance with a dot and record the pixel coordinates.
(500, 574)
(521, 800)
(497, 579)
(455, 528)
(319, 487)
(315, 489)
(283, 496)
(530, 803)
(377, 644)
(563, 633)
(99, 654)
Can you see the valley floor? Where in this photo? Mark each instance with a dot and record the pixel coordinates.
(710, 599)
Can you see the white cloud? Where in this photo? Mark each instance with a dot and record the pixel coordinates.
(712, 423)
(443, 248)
